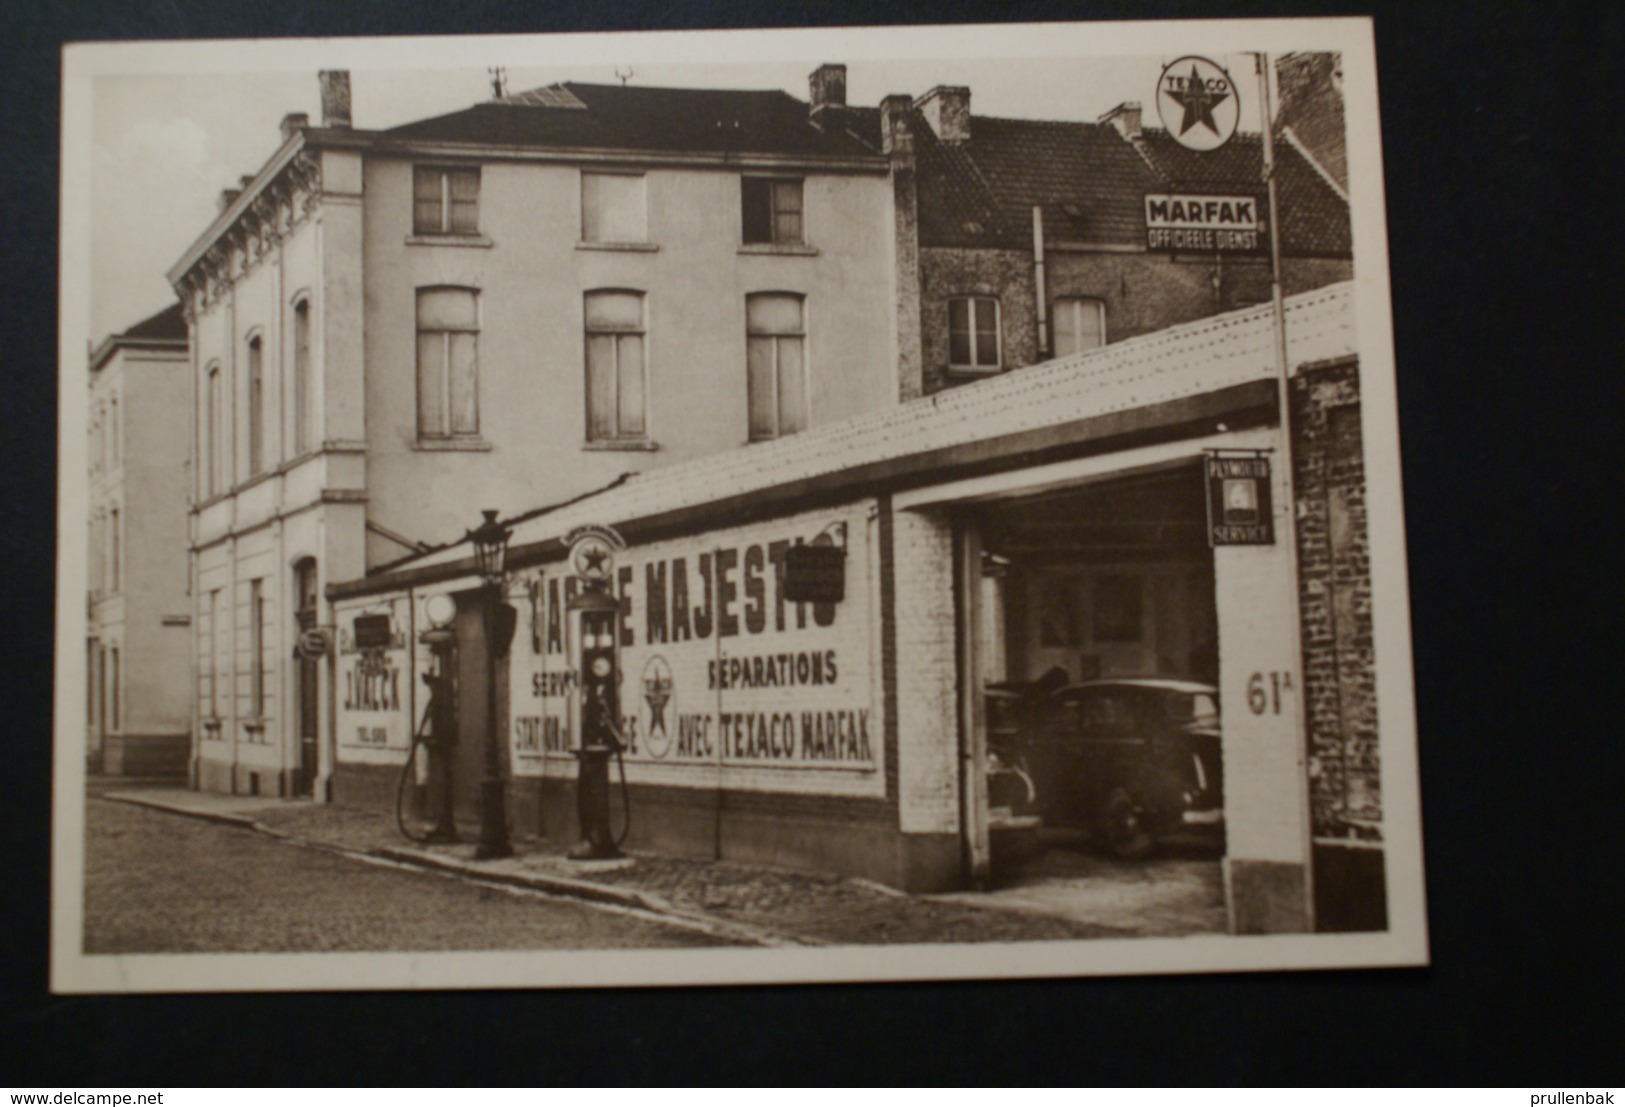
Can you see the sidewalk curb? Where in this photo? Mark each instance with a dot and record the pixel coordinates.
(223, 818)
(569, 887)
(558, 885)
(584, 890)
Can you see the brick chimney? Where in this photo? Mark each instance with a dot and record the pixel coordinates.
(335, 97)
(895, 136)
(1125, 117)
(292, 123)
(827, 95)
(947, 109)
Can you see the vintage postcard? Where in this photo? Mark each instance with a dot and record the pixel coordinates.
(858, 504)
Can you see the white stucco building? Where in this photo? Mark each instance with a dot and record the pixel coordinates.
(512, 304)
(138, 658)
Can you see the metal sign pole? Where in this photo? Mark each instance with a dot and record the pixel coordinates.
(1284, 390)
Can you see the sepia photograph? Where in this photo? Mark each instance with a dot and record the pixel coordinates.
(724, 507)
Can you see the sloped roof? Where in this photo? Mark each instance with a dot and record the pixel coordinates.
(166, 328)
(1222, 351)
(1089, 182)
(168, 324)
(1314, 218)
(631, 117)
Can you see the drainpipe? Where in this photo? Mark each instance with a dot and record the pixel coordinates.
(1038, 281)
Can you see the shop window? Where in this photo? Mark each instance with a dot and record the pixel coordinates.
(448, 363)
(973, 333)
(445, 200)
(617, 385)
(776, 364)
(613, 208)
(303, 386)
(1080, 324)
(772, 210)
(256, 405)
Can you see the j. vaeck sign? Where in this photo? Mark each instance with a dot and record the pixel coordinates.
(719, 665)
(1203, 223)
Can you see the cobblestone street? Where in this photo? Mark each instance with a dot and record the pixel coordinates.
(160, 883)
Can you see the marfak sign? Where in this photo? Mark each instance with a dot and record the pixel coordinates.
(1239, 509)
(1209, 224)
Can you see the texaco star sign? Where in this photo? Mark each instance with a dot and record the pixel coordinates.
(1198, 102)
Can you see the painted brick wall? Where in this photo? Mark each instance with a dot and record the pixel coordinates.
(927, 743)
(1335, 581)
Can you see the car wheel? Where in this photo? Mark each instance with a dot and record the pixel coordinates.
(1122, 828)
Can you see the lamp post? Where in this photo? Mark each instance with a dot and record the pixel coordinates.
(490, 540)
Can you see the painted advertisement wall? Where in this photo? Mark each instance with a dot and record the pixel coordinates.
(724, 682)
(374, 684)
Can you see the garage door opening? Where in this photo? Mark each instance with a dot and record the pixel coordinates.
(1097, 656)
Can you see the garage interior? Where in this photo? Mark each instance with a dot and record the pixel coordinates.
(1109, 580)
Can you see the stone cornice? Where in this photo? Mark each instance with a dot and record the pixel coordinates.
(272, 204)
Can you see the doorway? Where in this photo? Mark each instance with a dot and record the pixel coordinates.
(1096, 660)
(309, 682)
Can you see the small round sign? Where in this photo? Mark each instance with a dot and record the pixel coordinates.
(314, 643)
(1198, 102)
(592, 557)
(440, 609)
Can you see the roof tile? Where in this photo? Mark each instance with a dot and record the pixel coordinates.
(641, 118)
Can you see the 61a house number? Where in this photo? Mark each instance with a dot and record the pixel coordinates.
(1264, 691)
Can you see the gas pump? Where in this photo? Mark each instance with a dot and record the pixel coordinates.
(435, 736)
(599, 611)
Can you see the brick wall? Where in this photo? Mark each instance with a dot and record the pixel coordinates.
(1335, 581)
(1312, 105)
(927, 732)
(1142, 293)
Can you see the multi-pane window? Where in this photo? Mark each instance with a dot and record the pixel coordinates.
(445, 200)
(213, 436)
(256, 631)
(113, 687)
(772, 210)
(112, 431)
(217, 638)
(448, 323)
(114, 544)
(1080, 324)
(973, 332)
(776, 364)
(301, 378)
(256, 405)
(613, 208)
(617, 389)
(98, 561)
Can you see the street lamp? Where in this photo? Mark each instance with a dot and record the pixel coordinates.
(490, 540)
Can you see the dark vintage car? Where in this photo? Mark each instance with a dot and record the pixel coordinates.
(1132, 761)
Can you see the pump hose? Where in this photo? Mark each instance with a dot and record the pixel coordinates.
(406, 773)
(626, 797)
